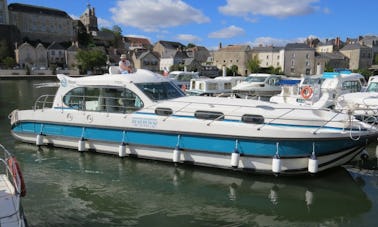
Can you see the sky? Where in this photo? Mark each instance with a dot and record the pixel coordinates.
(230, 22)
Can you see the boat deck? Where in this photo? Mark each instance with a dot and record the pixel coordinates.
(9, 203)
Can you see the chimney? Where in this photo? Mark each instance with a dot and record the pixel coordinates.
(220, 45)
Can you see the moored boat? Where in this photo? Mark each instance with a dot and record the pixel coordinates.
(12, 188)
(321, 91)
(363, 105)
(144, 115)
(258, 85)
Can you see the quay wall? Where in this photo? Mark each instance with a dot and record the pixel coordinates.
(16, 73)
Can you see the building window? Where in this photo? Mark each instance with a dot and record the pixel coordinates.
(292, 70)
(292, 62)
(307, 56)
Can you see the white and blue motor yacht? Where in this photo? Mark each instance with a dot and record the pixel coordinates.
(145, 115)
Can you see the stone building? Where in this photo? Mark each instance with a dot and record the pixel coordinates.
(70, 55)
(40, 23)
(4, 18)
(136, 43)
(299, 60)
(56, 54)
(89, 19)
(231, 55)
(145, 59)
(331, 60)
(359, 56)
(27, 55)
(198, 53)
(167, 49)
(269, 56)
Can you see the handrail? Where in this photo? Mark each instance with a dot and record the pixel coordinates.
(44, 102)
(81, 102)
(8, 171)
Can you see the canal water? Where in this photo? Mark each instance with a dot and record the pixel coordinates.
(68, 188)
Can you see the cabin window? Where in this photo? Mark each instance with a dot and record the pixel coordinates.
(209, 115)
(253, 119)
(162, 111)
(160, 91)
(352, 86)
(103, 99)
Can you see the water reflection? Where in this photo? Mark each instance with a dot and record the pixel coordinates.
(102, 189)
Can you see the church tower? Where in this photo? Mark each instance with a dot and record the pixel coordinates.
(4, 18)
(89, 20)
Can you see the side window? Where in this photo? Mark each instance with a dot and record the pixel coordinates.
(75, 98)
(103, 100)
(130, 102)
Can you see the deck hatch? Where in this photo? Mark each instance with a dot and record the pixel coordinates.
(252, 118)
(209, 115)
(163, 111)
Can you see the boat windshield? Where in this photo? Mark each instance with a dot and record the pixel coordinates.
(373, 87)
(252, 79)
(312, 80)
(160, 91)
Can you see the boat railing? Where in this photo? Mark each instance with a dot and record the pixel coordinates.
(44, 101)
(13, 176)
(92, 103)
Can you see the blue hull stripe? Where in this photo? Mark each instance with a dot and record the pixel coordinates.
(251, 147)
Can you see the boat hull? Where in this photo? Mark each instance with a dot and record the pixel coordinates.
(253, 154)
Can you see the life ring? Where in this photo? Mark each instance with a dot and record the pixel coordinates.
(16, 171)
(306, 92)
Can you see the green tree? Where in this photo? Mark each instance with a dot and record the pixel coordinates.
(4, 49)
(9, 62)
(177, 67)
(234, 70)
(375, 62)
(90, 59)
(328, 68)
(253, 65)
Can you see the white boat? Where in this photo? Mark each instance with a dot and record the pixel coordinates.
(183, 78)
(258, 85)
(363, 105)
(144, 115)
(214, 87)
(320, 91)
(12, 188)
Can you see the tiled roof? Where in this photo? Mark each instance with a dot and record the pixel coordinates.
(37, 10)
(55, 46)
(237, 48)
(267, 49)
(171, 45)
(297, 46)
(143, 41)
(354, 46)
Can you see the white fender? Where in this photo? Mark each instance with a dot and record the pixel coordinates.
(235, 156)
(39, 140)
(176, 155)
(313, 164)
(122, 150)
(276, 164)
(81, 145)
